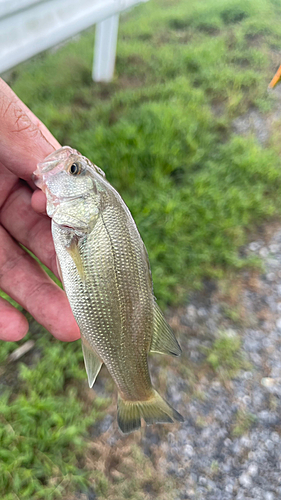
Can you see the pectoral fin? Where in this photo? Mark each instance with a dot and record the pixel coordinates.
(73, 250)
(163, 340)
(92, 362)
(59, 270)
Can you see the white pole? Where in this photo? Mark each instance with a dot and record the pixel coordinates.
(105, 49)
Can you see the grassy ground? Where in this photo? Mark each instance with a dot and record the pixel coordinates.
(163, 133)
(162, 130)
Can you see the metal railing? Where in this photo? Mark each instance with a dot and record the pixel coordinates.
(28, 27)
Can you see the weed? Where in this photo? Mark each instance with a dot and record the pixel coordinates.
(232, 313)
(243, 422)
(214, 468)
(225, 356)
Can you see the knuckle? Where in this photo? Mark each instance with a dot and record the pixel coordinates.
(15, 117)
(5, 105)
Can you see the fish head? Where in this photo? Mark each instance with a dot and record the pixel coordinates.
(73, 187)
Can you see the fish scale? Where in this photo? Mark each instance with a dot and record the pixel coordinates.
(108, 331)
(125, 261)
(107, 279)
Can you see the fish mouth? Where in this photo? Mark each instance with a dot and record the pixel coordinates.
(38, 181)
(50, 163)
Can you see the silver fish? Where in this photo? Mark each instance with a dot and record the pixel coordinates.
(105, 271)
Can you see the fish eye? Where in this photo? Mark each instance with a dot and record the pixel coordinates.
(75, 169)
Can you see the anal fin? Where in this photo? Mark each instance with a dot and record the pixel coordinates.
(92, 362)
(163, 340)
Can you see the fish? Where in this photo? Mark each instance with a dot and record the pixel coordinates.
(105, 272)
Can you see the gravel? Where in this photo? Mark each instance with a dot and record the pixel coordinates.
(229, 447)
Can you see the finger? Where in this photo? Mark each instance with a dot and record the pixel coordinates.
(28, 227)
(38, 201)
(22, 144)
(13, 324)
(24, 280)
(14, 98)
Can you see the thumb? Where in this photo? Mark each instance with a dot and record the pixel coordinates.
(23, 143)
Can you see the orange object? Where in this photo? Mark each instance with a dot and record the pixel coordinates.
(276, 78)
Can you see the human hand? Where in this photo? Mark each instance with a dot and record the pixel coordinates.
(24, 141)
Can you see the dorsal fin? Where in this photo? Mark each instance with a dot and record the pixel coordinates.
(163, 340)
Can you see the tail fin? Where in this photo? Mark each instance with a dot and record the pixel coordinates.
(154, 410)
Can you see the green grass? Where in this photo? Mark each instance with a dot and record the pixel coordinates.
(44, 422)
(162, 131)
